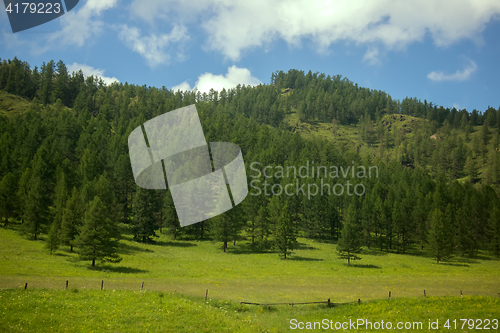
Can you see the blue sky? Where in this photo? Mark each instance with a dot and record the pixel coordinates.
(447, 51)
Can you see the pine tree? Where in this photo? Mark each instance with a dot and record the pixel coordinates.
(465, 233)
(47, 84)
(52, 242)
(36, 206)
(99, 235)
(262, 228)
(349, 243)
(8, 198)
(71, 220)
(470, 169)
(285, 235)
(494, 222)
(222, 229)
(144, 222)
(171, 221)
(61, 196)
(440, 236)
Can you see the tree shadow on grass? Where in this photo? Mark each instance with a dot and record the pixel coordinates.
(243, 250)
(467, 260)
(373, 252)
(453, 264)
(174, 244)
(303, 246)
(365, 266)
(246, 248)
(299, 258)
(130, 249)
(117, 269)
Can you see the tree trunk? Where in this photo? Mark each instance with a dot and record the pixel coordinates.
(93, 262)
(71, 248)
(348, 261)
(225, 245)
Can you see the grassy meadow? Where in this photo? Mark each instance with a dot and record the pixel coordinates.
(50, 310)
(176, 275)
(313, 272)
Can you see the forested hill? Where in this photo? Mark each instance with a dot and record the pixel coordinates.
(64, 153)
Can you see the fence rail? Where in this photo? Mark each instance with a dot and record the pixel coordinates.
(301, 303)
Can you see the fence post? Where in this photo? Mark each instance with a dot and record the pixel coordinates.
(206, 295)
(461, 293)
(328, 302)
(26, 286)
(67, 284)
(389, 295)
(102, 284)
(425, 294)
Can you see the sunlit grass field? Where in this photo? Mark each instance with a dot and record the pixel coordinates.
(73, 310)
(313, 272)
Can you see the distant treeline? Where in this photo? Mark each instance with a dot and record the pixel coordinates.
(66, 171)
(324, 97)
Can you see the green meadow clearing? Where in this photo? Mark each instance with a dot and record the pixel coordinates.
(176, 275)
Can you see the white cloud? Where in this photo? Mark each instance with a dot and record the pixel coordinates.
(152, 47)
(182, 87)
(371, 56)
(89, 70)
(235, 26)
(233, 77)
(459, 75)
(80, 25)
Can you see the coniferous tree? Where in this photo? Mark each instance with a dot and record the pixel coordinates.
(8, 197)
(71, 220)
(470, 169)
(144, 222)
(36, 206)
(285, 236)
(52, 242)
(440, 236)
(222, 229)
(98, 238)
(263, 228)
(465, 232)
(494, 222)
(61, 196)
(349, 243)
(172, 223)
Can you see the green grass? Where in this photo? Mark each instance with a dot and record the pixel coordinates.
(12, 104)
(348, 137)
(76, 310)
(313, 272)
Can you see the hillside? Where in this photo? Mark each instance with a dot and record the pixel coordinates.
(65, 166)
